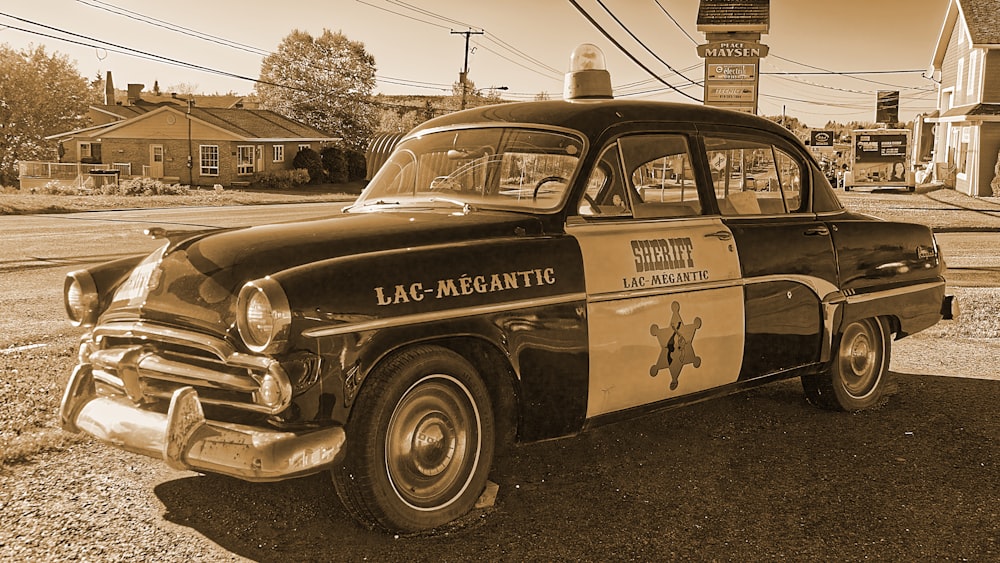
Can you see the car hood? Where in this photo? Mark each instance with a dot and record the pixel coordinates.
(195, 281)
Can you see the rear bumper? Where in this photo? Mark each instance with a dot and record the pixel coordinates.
(186, 440)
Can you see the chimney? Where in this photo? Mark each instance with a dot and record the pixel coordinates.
(134, 91)
(109, 91)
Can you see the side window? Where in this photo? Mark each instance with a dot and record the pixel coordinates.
(605, 195)
(661, 181)
(754, 178)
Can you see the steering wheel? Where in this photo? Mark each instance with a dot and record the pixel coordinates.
(544, 181)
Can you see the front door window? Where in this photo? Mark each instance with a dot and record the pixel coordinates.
(244, 160)
(156, 161)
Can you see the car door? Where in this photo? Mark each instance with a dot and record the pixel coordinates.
(664, 298)
(786, 254)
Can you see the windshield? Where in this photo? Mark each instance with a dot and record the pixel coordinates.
(498, 167)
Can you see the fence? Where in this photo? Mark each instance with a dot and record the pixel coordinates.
(33, 174)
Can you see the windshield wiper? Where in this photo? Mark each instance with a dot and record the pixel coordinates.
(466, 207)
(367, 203)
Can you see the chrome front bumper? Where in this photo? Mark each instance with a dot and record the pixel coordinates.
(186, 440)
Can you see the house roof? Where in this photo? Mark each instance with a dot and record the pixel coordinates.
(734, 15)
(256, 123)
(973, 110)
(248, 124)
(981, 18)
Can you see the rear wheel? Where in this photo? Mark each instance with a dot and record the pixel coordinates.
(420, 442)
(856, 377)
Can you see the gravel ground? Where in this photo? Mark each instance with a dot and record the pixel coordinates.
(751, 477)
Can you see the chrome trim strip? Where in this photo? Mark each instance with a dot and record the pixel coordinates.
(418, 318)
(895, 292)
(819, 286)
(665, 290)
(140, 329)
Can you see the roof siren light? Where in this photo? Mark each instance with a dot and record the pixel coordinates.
(588, 77)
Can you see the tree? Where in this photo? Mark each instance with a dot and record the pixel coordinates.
(326, 82)
(40, 95)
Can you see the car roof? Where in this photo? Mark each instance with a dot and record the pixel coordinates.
(593, 117)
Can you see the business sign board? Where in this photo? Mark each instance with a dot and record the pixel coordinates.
(887, 107)
(743, 92)
(729, 72)
(820, 138)
(881, 157)
(732, 49)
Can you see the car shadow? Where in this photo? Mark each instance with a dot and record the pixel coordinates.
(709, 466)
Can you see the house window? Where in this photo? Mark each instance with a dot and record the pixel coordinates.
(304, 147)
(279, 153)
(960, 76)
(89, 152)
(209, 160)
(972, 74)
(963, 151)
(244, 160)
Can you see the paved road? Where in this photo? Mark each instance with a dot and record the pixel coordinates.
(39, 250)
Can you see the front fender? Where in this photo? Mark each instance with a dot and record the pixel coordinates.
(521, 296)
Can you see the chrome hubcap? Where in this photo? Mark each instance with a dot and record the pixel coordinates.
(433, 443)
(860, 358)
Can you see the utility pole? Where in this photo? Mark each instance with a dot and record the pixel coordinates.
(463, 76)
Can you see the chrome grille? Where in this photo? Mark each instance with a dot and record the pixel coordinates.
(149, 362)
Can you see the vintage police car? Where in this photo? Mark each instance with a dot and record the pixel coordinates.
(513, 273)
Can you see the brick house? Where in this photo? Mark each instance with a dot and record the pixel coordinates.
(966, 66)
(223, 145)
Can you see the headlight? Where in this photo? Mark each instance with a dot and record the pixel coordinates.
(81, 299)
(264, 318)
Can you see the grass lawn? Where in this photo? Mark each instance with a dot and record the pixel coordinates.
(14, 202)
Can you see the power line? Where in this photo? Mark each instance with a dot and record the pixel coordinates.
(833, 72)
(129, 51)
(171, 26)
(627, 53)
(488, 36)
(684, 31)
(639, 41)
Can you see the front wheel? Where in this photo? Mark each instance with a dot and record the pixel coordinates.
(420, 442)
(855, 379)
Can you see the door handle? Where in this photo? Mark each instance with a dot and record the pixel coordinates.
(821, 231)
(721, 235)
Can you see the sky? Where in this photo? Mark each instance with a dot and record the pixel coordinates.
(826, 59)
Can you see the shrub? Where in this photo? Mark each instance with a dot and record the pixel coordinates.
(143, 186)
(55, 187)
(335, 163)
(280, 179)
(312, 162)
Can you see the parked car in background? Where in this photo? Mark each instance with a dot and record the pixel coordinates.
(513, 273)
